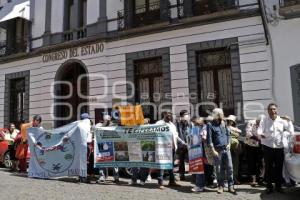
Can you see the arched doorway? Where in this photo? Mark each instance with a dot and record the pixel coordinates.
(71, 91)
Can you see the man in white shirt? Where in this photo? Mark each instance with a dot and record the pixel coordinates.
(271, 131)
(167, 120)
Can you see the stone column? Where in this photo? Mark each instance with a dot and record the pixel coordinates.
(47, 33)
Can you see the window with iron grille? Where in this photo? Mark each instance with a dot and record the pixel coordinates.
(69, 14)
(82, 13)
(75, 19)
(149, 86)
(202, 7)
(215, 80)
(146, 12)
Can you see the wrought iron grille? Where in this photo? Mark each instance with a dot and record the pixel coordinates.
(290, 2)
(16, 46)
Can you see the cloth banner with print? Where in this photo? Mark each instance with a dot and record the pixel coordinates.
(59, 152)
(195, 151)
(147, 146)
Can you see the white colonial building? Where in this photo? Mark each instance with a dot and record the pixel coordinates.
(86, 55)
(283, 19)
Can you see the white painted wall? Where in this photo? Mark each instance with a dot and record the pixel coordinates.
(113, 6)
(38, 25)
(285, 40)
(92, 11)
(245, 2)
(3, 2)
(57, 16)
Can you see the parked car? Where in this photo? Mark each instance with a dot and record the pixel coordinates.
(4, 151)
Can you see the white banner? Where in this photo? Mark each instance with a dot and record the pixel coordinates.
(59, 152)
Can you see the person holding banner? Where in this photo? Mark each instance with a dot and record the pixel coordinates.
(182, 128)
(167, 120)
(103, 172)
(197, 134)
(143, 173)
(23, 146)
(90, 153)
(218, 138)
(210, 169)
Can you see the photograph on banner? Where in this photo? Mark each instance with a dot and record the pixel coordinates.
(195, 151)
(148, 146)
(106, 149)
(148, 150)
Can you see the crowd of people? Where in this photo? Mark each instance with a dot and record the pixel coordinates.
(266, 139)
(18, 145)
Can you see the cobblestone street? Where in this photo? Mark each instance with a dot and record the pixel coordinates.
(16, 186)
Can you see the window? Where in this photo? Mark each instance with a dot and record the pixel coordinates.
(17, 100)
(82, 13)
(14, 37)
(149, 85)
(215, 80)
(202, 7)
(146, 12)
(69, 14)
(75, 19)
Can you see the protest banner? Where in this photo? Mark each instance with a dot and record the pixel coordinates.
(131, 115)
(59, 152)
(148, 146)
(195, 151)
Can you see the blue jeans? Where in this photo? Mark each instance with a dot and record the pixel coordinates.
(224, 160)
(103, 172)
(141, 173)
(200, 180)
(160, 178)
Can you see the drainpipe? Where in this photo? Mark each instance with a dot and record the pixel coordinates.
(268, 37)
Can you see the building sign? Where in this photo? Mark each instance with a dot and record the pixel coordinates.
(73, 52)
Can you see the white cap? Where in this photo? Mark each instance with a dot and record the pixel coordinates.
(106, 118)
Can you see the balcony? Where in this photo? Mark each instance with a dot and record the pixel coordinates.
(290, 2)
(142, 15)
(290, 8)
(13, 47)
(160, 15)
(208, 11)
(204, 7)
(75, 34)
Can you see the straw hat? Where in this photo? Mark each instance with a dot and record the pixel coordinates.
(231, 118)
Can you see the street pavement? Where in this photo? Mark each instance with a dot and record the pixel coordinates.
(18, 186)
